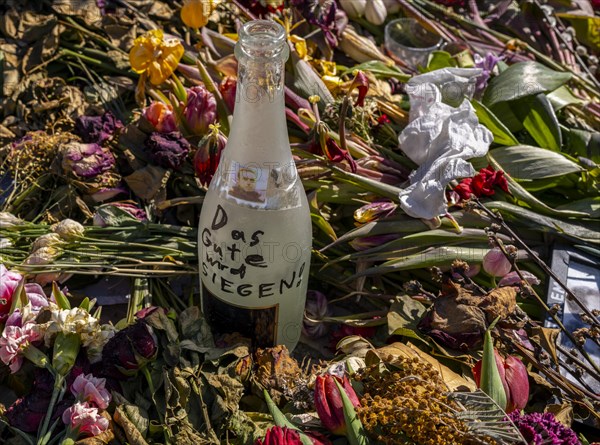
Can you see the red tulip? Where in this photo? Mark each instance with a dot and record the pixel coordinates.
(514, 379)
(328, 402)
(280, 436)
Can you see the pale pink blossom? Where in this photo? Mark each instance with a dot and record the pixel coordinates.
(13, 341)
(9, 280)
(495, 263)
(85, 418)
(91, 389)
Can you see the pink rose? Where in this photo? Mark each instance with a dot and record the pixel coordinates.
(12, 342)
(86, 419)
(90, 389)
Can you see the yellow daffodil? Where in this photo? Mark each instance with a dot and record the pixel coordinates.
(156, 56)
(195, 13)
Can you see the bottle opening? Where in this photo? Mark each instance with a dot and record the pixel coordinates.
(261, 39)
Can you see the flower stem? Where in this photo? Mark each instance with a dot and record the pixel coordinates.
(57, 393)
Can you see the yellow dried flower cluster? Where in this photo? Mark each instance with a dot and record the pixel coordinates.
(405, 402)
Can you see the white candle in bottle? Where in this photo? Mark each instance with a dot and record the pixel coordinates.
(255, 230)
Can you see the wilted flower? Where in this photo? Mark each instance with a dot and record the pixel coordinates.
(374, 211)
(97, 129)
(9, 280)
(27, 412)
(71, 321)
(208, 155)
(200, 110)
(108, 214)
(161, 116)
(42, 256)
(228, 88)
(328, 402)
(86, 161)
(543, 428)
(368, 242)
(515, 381)
(353, 8)
(87, 388)
(513, 278)
(277, 435)
(487, 65)
(315, 310)
(106, 193)
(47, 240)
(195, 13)
(68, 229)
(155, 55)
(129, 350)
(85, 419)
(495, 263)
(325, 15)
(482, 184)
(375, 12)
(9, 220)
(168, 150)
(14, 343)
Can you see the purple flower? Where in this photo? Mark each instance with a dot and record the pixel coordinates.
(543, 428)
(325, 15)
(487, 64)
(168, 150)
(200, 110)
(97, 129)
(129, 350)
(9, 280)
(315, 310)
(86, 161)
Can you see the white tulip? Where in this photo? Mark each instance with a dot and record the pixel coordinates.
(375, 12)
(354, 8)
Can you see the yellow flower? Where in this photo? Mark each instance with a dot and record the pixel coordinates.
(195, 13)
(155, 55)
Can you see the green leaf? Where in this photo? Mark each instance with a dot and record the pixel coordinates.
(539, 120)
(440, 59)
(490, 382)
(586, 28)
(61, 300)
(354, 429)
(529, 162)
(521, 80)
(282, 421)
(502, 135)
(583, 143)
(562, 97)
(504, 112)
(380, 69)
(590, 206)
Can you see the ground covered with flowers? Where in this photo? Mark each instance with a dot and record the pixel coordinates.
(440, 190)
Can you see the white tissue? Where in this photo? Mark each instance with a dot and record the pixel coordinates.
(440, 138)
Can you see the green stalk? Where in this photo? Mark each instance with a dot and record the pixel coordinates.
(491, 382)
(57, 391)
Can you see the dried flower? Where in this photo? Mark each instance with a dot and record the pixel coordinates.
(208, 155)
(97, 129)
(112, 214)
(47, 240)
(325, 15)
(515, 381)
(168, 150)
(195, 13)
(68, 229)
(85, 419)
(513, 278)
(228, 88)
(161, 116)
(87, 388)
(9, 220)
(155, 55)
(27, 412)
(353, 8)
(277, 435)
(129, 350)
(14, 343)
(86, 161)
(538, 429)
(495, 263)
(200, 110)
(9, 280)
(315, 310)
(328, 402)
(374, 211)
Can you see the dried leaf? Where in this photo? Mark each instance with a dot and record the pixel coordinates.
(500, 302)
(147, 182)
(387, 353)
(134, 436)
(546, 338)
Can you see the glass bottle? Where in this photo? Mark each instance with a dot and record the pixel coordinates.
(255, 232)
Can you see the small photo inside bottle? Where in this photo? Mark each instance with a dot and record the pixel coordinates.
(250, 184)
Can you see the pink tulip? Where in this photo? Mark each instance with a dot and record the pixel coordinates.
(200, 110)
(515, 381)
(495, 263)
(9, 281)
(88, 388)
(85, 419)
(328, 402)
(280, 436)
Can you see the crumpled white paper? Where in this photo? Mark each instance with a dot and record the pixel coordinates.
(442, 134)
